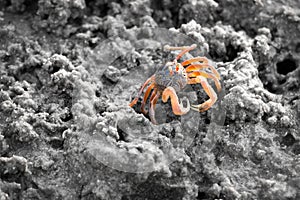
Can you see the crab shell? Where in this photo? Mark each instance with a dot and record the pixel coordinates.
(172, 74)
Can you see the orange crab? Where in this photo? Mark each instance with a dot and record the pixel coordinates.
(173, 77)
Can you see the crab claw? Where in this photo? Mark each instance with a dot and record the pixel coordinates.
(202, 107)
(183, 109)
(178, 108)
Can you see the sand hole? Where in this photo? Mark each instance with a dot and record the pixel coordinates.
(286, 66)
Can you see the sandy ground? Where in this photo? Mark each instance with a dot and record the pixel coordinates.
(69, 69)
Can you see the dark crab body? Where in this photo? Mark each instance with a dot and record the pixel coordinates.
(167, 76)
(173, 77)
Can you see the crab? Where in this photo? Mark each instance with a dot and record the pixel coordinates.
(175, 76)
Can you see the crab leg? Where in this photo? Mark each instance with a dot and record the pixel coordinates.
(196, 67)
(153, 99)
(134, 101)
(209, 91)
(193, 80)
(203, 60)
(184, 49)
(146, 95)
(177, 107)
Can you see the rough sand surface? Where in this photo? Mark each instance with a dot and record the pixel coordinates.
(69, 68)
